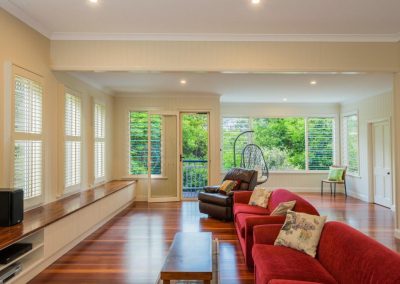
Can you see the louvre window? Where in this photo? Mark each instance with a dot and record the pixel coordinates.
(99, 143)
(28, 141)
(138, 124)
(231, 128)
(320, 143)
(288, 144)
(350, 143)
(73, 143)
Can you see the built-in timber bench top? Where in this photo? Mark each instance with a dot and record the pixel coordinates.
(45, 215)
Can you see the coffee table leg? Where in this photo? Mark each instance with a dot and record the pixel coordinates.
(166, 281)
(207, 282)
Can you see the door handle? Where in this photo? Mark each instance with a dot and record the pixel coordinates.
(181, 157)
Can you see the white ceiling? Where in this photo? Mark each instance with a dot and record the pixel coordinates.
(325, 20)
(296, 88)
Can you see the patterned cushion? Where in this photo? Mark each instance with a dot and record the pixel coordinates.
(283, 208)
(260, 197)
(301, 231)
(227, 186)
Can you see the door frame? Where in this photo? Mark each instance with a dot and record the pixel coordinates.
(371, 177)
(180, 164)
(151, 199)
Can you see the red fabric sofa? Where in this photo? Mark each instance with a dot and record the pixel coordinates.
(246, 216)
(344, 255)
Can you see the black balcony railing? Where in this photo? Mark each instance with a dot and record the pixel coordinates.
(195, 177)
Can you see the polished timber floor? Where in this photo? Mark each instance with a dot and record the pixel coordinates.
(131, 248)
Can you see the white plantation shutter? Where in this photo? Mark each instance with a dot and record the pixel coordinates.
(350, 143)
(72, 115)
(320, 143)
(99, 144)
(73, 143)
(28, 167)
(28, 140)
(72, 163)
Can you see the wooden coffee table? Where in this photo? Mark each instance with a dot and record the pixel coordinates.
(190, 258)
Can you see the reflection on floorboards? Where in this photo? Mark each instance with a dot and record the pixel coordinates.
(131, 248)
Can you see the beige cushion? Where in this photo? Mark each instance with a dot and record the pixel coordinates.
(283, 208)
(260, 197)
(227, 186)
(301, 231)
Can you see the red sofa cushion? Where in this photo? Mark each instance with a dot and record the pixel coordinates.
(249, 209)
(352, 257)
(283, 195)
(282, 281)
(275, 262)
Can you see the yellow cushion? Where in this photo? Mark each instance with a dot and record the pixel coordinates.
(227, 186)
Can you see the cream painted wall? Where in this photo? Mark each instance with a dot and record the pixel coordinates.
(218, 56)
(162, 102)
(369, 110)
(22, 46)
(298, 181)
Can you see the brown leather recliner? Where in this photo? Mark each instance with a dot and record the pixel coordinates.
(219, 205)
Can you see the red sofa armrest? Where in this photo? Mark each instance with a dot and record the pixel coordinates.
(242, 196)
(266, 234)
(283, 281)
(253, 221)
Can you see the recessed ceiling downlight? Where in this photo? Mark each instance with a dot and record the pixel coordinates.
(255, 1)
(93, 1)
(183, 82)
(313, 82)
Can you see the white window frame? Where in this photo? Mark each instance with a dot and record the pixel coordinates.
(145, 176)
(76, 187)
(344, 151)
(20, 136)
(305, 117)
(101, 139)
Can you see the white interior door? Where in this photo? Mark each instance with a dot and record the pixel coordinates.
(163, 157)
(382, 163)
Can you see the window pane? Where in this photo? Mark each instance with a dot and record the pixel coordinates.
(28, 156)
(231, 128)
(320, 143)
(99, 135)
(28, 106)
(72, 143)
(282, 141)
(99, 152)
(351, 158)
(72, 163)
(72, 115)
(99, 121)
(28, 167)
(138, 123)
